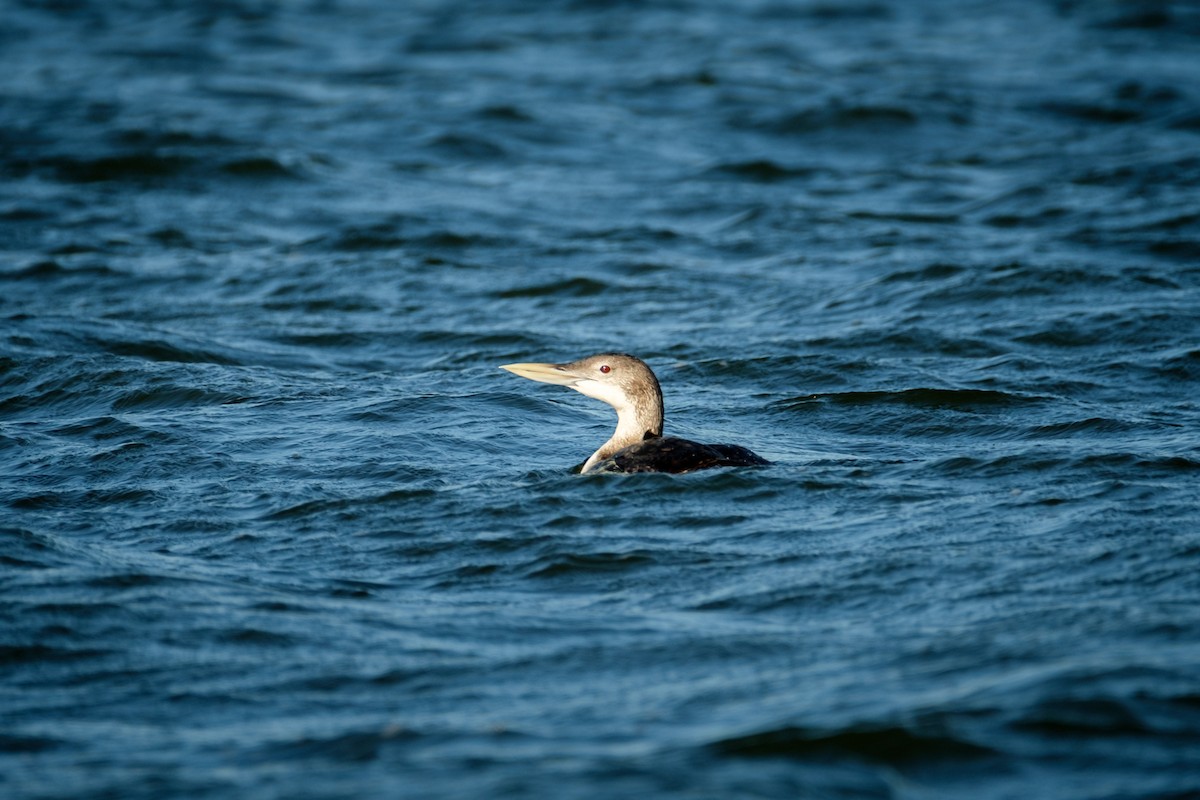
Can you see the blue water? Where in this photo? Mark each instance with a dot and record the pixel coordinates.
(275, 525)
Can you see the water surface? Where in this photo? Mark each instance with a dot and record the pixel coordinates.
(274, 525)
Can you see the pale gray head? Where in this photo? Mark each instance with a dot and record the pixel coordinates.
(623, 381)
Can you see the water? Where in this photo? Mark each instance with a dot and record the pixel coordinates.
(274, 525)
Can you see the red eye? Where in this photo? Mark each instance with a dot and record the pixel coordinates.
(605, 368)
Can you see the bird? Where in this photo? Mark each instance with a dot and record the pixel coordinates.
(628, 384)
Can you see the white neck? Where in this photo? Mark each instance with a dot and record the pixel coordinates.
(638, 413)
(630, 430)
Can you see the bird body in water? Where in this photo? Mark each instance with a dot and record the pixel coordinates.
(628, 385)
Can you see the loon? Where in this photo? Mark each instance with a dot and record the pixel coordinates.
(628, 385)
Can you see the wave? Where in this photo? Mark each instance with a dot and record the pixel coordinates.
(894, 746)
(1039, 462)
(398, 235)
(348, 747)
(29, 745)
(569, 564)
(834, 117)
(349, 507)
(50, 269)
(150, 167)
(763, 170)
(963, 399)
(577, 286)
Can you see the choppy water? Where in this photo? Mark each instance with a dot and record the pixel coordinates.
(274, 525)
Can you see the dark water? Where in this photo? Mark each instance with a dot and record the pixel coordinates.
(274, 525)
